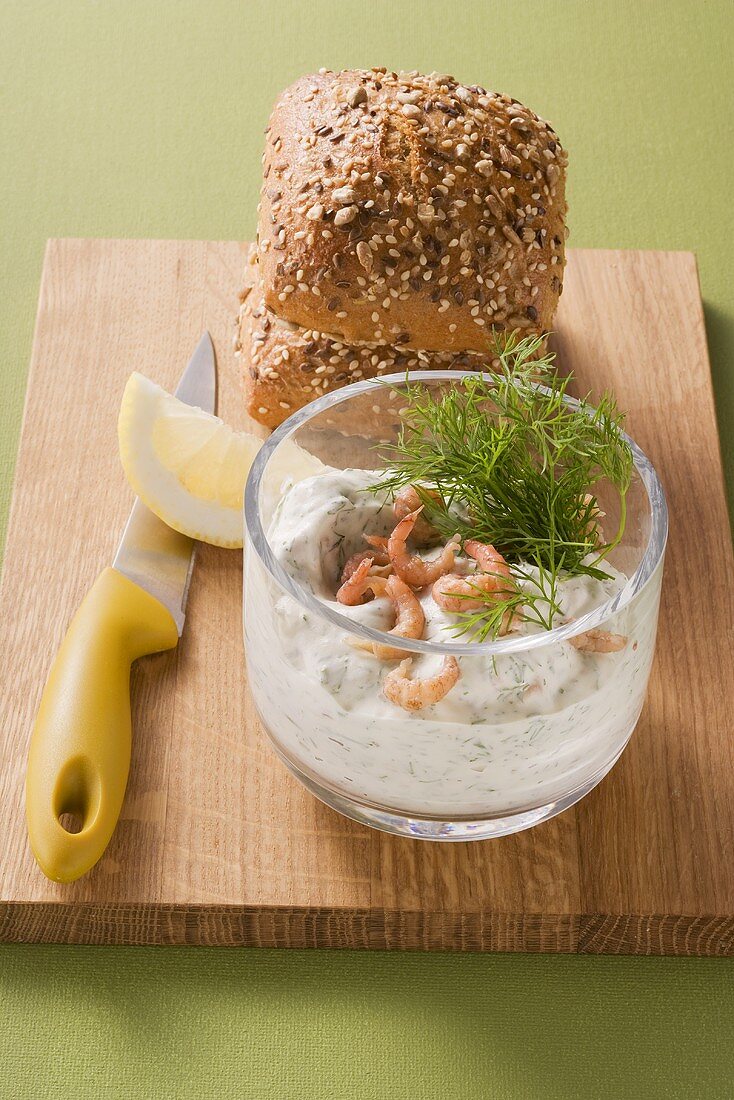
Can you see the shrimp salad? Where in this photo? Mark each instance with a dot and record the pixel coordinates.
(430, 734)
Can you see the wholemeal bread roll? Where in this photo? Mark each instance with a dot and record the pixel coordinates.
(412, 211)
(286, 366)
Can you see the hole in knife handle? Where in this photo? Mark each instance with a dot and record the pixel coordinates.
(76, 795)
(71, 822)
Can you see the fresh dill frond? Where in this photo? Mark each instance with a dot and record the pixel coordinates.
(516, 464)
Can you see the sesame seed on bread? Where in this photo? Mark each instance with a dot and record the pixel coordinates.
(410, 211)
(286, 366)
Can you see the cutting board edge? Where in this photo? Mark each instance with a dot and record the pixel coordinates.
(344, 928)
(71, 239)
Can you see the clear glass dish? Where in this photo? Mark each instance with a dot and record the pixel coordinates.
(476, 771)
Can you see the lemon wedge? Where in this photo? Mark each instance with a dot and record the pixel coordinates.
(190, 468)
(186, 465)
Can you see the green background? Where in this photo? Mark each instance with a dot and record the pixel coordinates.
(129, 118)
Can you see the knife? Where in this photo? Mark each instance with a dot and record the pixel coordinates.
(79, 754)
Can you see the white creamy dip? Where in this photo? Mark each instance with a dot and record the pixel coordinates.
(516, 732)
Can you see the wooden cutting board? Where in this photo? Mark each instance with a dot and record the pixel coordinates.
(217, 844)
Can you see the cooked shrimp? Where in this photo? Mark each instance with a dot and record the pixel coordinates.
(490, 561)
(409, 500)
(379, 545)
(409, 618)
(416, 694)
(599, 641)
(409, 567)
(352, 590)
(352, 563)
(456, 593)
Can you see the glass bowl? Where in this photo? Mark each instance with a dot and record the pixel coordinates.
(560, 720)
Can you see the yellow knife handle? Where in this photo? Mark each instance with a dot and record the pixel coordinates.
(79, 755)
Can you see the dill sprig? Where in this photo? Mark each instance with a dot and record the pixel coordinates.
(516, 465)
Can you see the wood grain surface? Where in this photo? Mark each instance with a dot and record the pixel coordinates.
(217, 844)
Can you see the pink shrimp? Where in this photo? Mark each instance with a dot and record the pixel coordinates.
(456, 593)
(352, 590)
(380, 561)
(599, 641)
(379, 546)
(409, 618)
(409, 567)
(416, 694)
(409, 500)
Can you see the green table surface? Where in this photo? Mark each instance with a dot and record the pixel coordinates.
(144, 118)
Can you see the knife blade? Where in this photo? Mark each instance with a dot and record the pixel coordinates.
(151, 553)
(79, 755)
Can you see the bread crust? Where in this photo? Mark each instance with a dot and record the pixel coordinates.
(408, 210)
(285, 366)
